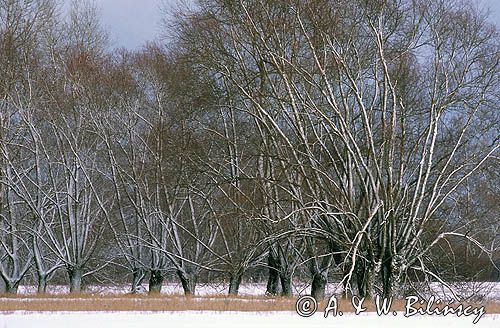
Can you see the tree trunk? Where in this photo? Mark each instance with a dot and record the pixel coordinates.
(155, 282)
(188, 282)
(273, 282)
(8, 286)
(75, 279)
(234, 283)
(137, 277)
(364, 280)
(286, 284)
(42, 283)
(318, 286)
(391, 277)
(11, 286)
(2, 285)
(319, 273)
(386, 279)
(274, 275)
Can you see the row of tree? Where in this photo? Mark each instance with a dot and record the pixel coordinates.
(311, 139)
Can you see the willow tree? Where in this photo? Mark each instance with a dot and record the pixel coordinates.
(383, 110)
(23, 27)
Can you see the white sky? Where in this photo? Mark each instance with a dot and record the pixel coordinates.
(131, 23)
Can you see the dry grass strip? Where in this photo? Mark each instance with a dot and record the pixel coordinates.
(113, 303)
(86, 302)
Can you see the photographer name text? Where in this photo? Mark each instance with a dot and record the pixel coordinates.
(306, 306)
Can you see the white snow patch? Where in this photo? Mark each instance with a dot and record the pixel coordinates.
(230, 319)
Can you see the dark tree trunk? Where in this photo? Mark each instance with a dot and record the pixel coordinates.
(286, 284)
(11, 287)
(188, 282)
(42, 283)
(319, 273)
(137, 277)
(274, 274)
(391, 275)
(273, 283)
(2, 285)
(75, 279)
(364, 280)
(318, 286)
(339, 260)
(155, 282)
(386, 279)
(234, 283)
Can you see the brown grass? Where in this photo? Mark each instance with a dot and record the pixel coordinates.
(89, 302)
(113, 303)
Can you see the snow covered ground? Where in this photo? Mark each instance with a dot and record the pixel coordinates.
(232, 319)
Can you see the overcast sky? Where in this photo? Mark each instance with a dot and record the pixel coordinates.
(131, 23)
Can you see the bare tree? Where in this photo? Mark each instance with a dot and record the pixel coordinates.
(378, 112)
(23, 25)
(69, 149)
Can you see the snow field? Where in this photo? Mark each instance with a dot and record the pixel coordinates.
(232, 319)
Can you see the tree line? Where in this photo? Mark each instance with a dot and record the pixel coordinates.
(322, 140)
